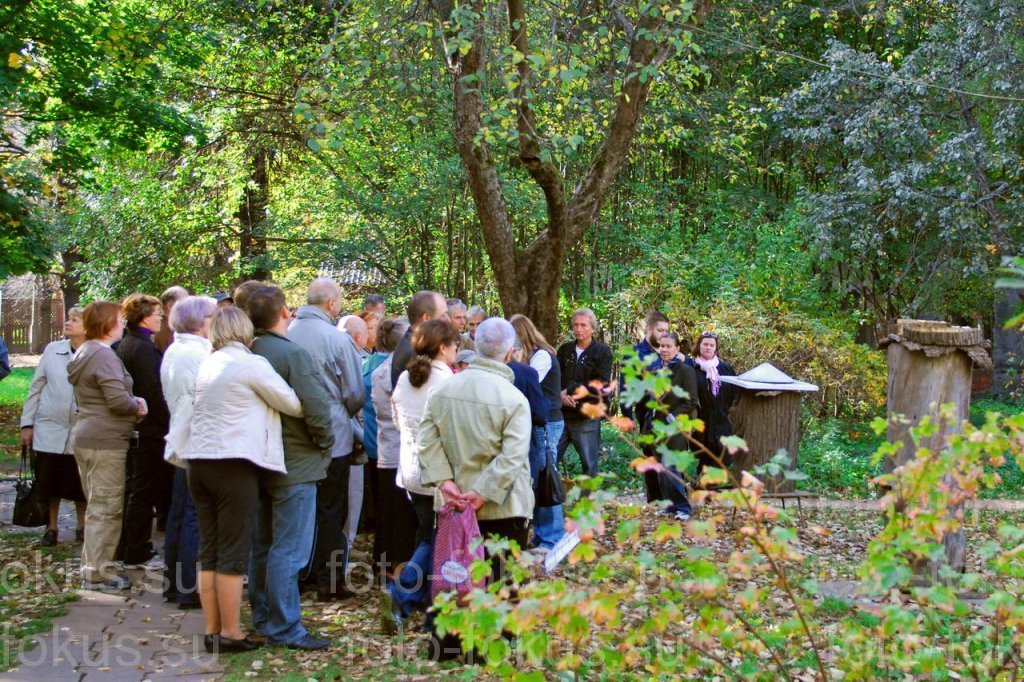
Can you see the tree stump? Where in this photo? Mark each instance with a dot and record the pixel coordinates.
(930, 364)
(768, 421)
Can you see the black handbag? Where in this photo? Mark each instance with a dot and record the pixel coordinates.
(31, 508)
(550, 490)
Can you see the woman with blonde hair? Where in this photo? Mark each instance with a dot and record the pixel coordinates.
(548, 522)
(235, 434)
(107, 413)
(46, 427)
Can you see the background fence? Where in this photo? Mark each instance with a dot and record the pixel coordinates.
(31, 313)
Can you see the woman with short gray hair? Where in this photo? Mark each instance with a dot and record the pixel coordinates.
(190, 321)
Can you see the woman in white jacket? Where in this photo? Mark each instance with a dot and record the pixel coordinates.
(190, 321)
(46, 427)
(235, 433)
(435, 343)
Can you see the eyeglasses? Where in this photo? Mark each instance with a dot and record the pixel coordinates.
(709, 335)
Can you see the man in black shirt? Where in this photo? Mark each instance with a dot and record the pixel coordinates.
(583, 361)
(423, 306)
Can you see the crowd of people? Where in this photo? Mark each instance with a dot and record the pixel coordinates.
(257, 437)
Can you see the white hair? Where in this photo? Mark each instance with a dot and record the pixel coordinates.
(322, 290)
(189, 314)
(587, 313)
(173, 294)
(494, 338)
(475, 312)
(455, 304)
(353, 325)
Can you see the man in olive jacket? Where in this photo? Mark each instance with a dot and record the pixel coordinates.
(286, 518)
(475, 438)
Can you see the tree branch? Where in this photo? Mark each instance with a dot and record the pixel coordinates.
(613, 152)
(484, 183)
(543, 173)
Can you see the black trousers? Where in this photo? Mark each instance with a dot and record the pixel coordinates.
(330, 546)
(395, 537)
(148, 480)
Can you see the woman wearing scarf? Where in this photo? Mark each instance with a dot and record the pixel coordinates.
(148, 478)
(716, 398)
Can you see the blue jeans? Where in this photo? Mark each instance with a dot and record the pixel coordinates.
(411, 589)
(585, 435)
(282, 542)
(181, 544)
(548, 522)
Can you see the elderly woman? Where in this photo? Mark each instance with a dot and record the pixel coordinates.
(46, 427)
(148, 478)
(236, 433)
(190, 320)
(716, 398)
(107, 412)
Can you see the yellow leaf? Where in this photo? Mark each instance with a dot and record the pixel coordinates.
(14, 60)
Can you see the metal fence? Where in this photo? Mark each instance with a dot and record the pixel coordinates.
(31, 314)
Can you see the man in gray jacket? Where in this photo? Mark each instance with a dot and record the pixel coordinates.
(285, 521)
(337, 360)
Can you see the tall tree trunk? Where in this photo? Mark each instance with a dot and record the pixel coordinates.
(529, 279)
(251, 216)
(70, 280)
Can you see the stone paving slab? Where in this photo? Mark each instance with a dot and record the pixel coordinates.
(123, 636)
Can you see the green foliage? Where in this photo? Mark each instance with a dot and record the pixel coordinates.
(837, 457)
(75, 78)
(754, 615)
(936, 169)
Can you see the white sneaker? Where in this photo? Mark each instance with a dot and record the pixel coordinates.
(153, 563)
(115, 584)
(681, 516)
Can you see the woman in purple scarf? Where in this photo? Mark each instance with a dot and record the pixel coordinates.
(148, 478)
(716, 398)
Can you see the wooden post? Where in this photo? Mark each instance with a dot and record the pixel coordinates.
(43, 301)
(930, 365)
(768, 421)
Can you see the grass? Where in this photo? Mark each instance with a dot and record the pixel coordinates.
(836, 455)
(14, 388)
(33, 590)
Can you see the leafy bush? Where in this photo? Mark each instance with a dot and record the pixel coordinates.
(850, 376)
(661, 607)
(761, 291)
(837, 457)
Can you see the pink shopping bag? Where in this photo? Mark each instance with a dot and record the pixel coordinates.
(453, 552)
